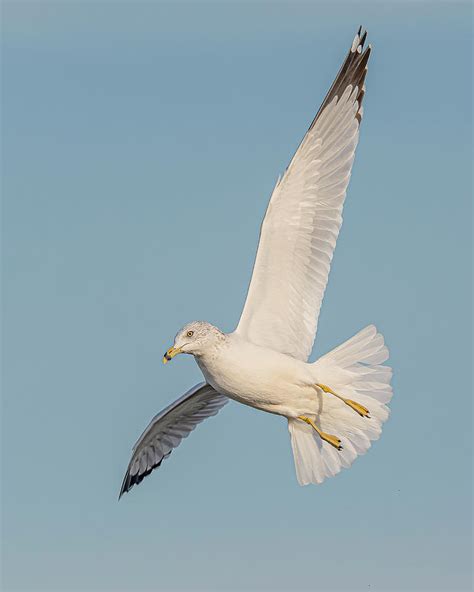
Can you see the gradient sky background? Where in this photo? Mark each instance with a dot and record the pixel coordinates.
(141, 143)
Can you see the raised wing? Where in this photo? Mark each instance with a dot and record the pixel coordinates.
(168, 428)
(303, 219)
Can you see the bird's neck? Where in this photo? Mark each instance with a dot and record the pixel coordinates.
(208, 359)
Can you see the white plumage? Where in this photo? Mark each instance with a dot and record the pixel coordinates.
(354, 368)
(299, 234)
(263, 363)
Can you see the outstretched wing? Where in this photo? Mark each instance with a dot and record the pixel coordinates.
(303, 219)
(168, 428)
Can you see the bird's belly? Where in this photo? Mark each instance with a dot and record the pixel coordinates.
(270, 388)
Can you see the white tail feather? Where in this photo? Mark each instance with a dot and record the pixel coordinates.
(353, 371)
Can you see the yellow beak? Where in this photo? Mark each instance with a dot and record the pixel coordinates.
(170, 354)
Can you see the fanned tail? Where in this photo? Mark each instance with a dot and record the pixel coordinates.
(354, 371)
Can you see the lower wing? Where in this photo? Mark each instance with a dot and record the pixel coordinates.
(168, 428)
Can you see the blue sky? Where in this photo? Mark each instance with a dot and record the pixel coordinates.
(140, 145)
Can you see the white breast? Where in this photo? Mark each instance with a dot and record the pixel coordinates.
(254, 375)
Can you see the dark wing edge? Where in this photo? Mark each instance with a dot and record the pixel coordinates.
(168, 428)
(352, 73)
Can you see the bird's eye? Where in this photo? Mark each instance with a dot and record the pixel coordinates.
(190, 333)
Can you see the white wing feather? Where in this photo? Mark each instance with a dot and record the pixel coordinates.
(303, 219)
(167, 429)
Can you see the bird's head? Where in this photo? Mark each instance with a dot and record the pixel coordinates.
(195, 338)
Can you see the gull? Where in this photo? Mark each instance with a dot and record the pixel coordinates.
(335, 406)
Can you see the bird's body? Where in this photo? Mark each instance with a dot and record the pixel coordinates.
(335, 406)
(260, 377)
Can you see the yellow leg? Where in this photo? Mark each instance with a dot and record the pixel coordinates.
(361, 410)
(333, 440)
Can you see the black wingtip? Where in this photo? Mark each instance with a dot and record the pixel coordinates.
(125, 485)
(352, 73)
(130, 480)
(361, 37)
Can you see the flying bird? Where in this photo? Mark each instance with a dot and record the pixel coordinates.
(335, 406)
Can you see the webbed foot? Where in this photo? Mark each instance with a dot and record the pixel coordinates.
(333, 440)
(360, 409)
